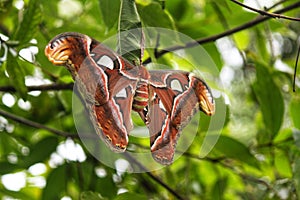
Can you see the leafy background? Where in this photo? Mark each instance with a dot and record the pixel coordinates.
(257, 155)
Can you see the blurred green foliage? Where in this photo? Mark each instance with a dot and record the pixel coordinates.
(257, 155)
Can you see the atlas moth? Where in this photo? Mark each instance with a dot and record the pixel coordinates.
(112, 87)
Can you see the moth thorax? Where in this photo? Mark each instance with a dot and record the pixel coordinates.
(140, 99)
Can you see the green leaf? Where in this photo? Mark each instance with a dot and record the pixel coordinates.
(15, 194)
(6, 167)
(30, 23)
(269, 98)
(219, 188)
(88, 175)
(129, 17)
(110, 10)
(66, 100)
(16, 75)
(261, 45)
(211, 48)
(234, 149)
(296, 174)
(41, 151)
(296, 137)
(177, 8)
(90, 196)
(282, 164)
(294, 110)
(154, 16)
(242, 39)
(127, 195)
(130, 41)
(7, 144)
(106, 186)
(56, 183)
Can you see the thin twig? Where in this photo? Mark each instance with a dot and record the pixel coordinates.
(152, 176)
(35, 124)
(46, 87)
(247, 177)
(276, 4)
(186, 154)
(262, 12)
(213, 38)
(295, 70)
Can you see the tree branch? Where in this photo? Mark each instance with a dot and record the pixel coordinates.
(46, 87)
(262, 12)
(213, 38)
(154, 177)
(35, 124)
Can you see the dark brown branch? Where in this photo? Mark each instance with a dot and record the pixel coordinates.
(213, 38)
(47, 87)
(262, 12)
(35, 124)
(295, 69)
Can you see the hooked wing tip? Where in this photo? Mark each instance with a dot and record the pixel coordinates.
(206, 100)
(207, 106)
(62, 46)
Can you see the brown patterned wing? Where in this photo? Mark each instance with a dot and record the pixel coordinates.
(176, 96)
(105, 81)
